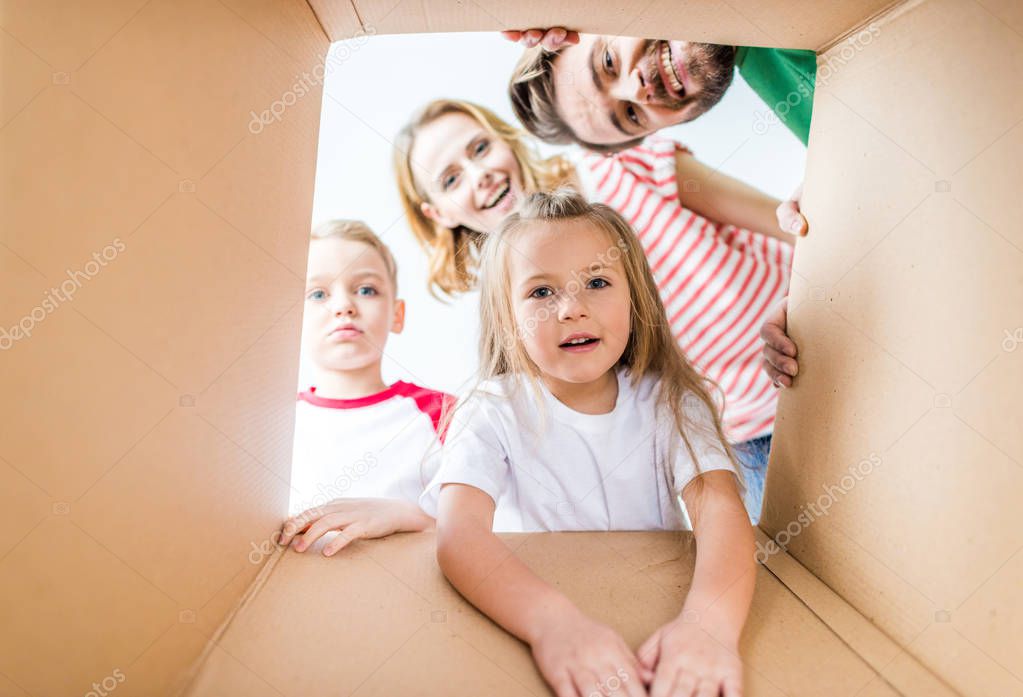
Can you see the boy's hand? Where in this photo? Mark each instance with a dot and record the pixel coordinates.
(354, 519)
(790, 218)
(687, 661)
(779, 360)
(578, 656)
(552, 39)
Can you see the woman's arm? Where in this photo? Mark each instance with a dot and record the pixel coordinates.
(572, 651)
(721, 198)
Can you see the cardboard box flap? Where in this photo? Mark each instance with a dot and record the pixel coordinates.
(380, 619)
(896, 467)
(776, 23)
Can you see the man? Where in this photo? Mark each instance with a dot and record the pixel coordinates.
(614, 91)
(607, 93)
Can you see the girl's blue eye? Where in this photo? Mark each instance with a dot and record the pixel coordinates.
(366, 290)
(598, 283)
(542, 292)
(481, 147)
(447, 181)
(608, 61)
(317, 294)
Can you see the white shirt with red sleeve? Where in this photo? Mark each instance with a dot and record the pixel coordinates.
(384, 445)
(718, 282)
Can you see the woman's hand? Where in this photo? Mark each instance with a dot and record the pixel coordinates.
(552, 39)
(790, 218)
(580, 657)
(354, 519)
(687, 661)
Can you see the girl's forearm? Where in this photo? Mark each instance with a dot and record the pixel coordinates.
(723, 580)
(489, 576)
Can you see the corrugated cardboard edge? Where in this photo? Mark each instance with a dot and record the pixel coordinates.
(195, 669)
(877, 649)
(882, 16)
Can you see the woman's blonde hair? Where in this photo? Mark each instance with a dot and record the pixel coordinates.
(358, 231)
(454, 253)
(651, 348)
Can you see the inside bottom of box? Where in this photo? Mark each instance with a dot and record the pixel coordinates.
(380, 619)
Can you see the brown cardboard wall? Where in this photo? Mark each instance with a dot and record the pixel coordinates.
(146, 423)
(145, 431)
(906, 305)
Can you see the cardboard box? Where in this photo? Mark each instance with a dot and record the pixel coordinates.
(158, 163)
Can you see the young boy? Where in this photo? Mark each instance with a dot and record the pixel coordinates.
(360, 445)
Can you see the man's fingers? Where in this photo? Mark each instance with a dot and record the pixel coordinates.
(551, 39)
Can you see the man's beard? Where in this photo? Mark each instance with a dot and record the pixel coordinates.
(710, 68)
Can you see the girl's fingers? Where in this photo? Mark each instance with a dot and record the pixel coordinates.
(512, 35)
(772, 331)
(732, 687)
(292, 527)
(708, 688)
(650, 651)
(671, 684)
(563, 686)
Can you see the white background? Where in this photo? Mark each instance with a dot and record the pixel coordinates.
(374, 85)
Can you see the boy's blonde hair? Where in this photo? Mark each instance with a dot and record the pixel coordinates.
(453, 253)
(358, 231)
(651, 348)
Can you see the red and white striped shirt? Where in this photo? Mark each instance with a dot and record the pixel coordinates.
(717, 281)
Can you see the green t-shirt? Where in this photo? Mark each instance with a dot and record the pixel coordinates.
(784, 79)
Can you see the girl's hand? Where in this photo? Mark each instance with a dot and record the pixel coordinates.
(354, 519)
(687, 661)
(580, 657)
(552, 39)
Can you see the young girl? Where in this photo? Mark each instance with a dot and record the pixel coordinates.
(461, 170)
(588, 417)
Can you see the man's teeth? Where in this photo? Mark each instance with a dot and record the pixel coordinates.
(498, 195)
(669, 69)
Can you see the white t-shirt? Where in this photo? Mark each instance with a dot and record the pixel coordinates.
(371, 447)
(553, 468)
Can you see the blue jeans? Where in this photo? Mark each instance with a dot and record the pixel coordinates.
(752, 455)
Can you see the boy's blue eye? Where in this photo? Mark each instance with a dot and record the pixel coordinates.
(317, 294)
(542, 292)
(597, 283)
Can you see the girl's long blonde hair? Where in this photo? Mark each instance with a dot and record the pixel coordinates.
(651, 348)
(454, 253)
